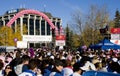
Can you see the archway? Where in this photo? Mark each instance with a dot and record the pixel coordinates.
(30, 12)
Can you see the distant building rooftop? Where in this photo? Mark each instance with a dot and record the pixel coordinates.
(13, 11)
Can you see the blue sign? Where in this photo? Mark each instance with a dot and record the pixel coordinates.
(12, 11)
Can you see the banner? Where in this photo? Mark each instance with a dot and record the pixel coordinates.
(21, 44)
(60, 37)
(37, 38)
(60, 40)
(115, 42)
(115, 36)
(115, 30)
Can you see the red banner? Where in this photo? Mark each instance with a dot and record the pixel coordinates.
(115, 30)
(60, 37)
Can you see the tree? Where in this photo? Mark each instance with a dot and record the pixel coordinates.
(96, 19)
(88, 26)
(76, 41)
(77, 26)
(7, 35)
(117, 19)
(17, 33)
(69, 38)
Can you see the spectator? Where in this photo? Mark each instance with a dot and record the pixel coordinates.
(8, 71)
(68, 70)
(1, 68)
(57, 69)
(77, 70)
(98, 66)
(22, 66)
(33, 70)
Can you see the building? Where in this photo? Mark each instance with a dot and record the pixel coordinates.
(36, 25)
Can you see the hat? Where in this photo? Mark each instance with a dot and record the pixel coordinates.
(52, 57)
(114, 59)
(63, 58)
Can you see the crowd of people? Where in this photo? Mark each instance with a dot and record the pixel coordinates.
(51, 62)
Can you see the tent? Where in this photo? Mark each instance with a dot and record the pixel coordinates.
(98, 73)
(105, 44)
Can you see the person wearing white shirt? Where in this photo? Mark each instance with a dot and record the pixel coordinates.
(68, 70)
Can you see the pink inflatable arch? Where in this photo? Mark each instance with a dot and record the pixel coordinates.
(30, 12)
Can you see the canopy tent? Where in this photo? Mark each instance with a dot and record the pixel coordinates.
(99, 73)
(105, 44)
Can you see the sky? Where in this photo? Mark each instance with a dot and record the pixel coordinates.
(60, 8)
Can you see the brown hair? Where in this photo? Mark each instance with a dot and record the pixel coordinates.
(1, 64)
(32, 64)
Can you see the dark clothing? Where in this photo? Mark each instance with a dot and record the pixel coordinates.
(24, 68)
(47, 71)
(55, 72)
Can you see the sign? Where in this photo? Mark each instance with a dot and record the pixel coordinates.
(35, 38)
(115, 42)
(115, 36)
(60, 40)
(60, 37)
(21, 44)
(115, 30)
(12, 11)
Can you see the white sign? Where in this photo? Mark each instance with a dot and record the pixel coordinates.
(115, 36)
(115, 42)
(37, 38)
(21, 44)
(60, 42)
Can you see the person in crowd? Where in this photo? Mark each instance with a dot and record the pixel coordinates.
(15, 61)
(88, 60)
(104, 65)
(86, 64)
(8, 59)
(31, 50)
(2, 57)
(1, 68)
(77, 69)
(23, 65)
(57, 69)
(33, 70)
(47, 67)
(98, 66)
(68, 69)
(8, 71)
(114, 66)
